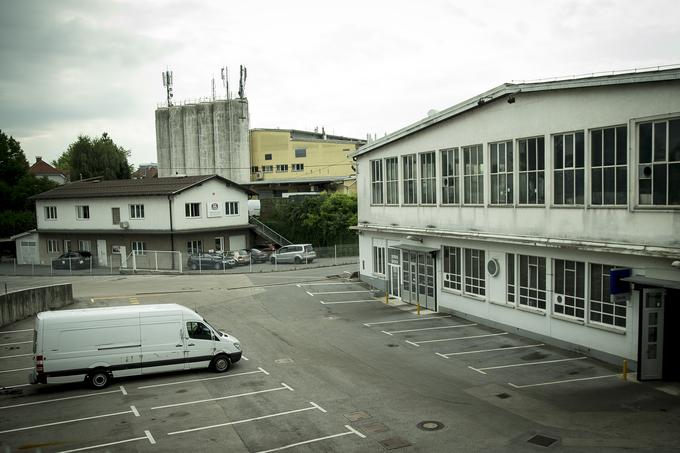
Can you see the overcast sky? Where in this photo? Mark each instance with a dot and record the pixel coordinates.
(85, 67)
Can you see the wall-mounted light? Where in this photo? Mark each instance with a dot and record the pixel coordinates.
(414, 238)
(511, 99)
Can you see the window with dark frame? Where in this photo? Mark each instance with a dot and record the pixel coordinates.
(568, 164)
(267, 157)
(300, 152)
(609, 166)
(473, 174)
(450, 176)
(510, 278)
(659, 163)
(501, 172)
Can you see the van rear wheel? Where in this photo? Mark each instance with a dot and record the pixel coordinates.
(98, 379)
(220, 364)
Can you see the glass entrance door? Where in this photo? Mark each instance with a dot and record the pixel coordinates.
(651, 351)
(418, 279)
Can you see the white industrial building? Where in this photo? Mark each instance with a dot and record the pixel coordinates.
(520, 207)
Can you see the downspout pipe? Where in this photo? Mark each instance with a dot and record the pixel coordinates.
(172, 235)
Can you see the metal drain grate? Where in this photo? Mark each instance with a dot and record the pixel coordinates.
(542, 441)
(394, 442)
(503, 395)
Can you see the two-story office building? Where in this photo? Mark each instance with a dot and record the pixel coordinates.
(518, 207)
(115, 218)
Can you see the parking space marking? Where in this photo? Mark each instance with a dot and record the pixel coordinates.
(418, 343)
(341, 292)
(482, 370)
(422, 318)
(16, 370)
(310, 294)
(318, 439)
(479, 351)
(348, 302)
(260, 370)
(33, 403)
(562, 381)
(25, 428)
(299, 285)
(239, 395)
(14, 386)
(18, 342)
(15, 331)
(13, 356)
(147, 436)
(313, 406)
(427, 328)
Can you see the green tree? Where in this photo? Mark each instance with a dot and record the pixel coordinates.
(88, 157)
(16, 186)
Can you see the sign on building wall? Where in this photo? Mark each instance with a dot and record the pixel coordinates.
(214, 209)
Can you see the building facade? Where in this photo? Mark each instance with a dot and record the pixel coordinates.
(548, 208)
(204, 138)
(292, 161)
(112, 219)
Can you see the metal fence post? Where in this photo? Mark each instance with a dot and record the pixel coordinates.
(180, 262)
(335, 254)
(155, 256)
(134, 261)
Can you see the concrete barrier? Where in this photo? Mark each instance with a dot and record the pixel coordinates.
(21, 304)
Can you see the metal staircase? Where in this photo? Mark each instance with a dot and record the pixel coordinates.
(267, 233)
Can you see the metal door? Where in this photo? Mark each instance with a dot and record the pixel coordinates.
(651, 350)
(418, 283)
(101, 253)
(394, 285)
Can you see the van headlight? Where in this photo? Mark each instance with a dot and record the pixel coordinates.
(237, 346)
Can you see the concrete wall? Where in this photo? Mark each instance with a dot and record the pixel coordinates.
(19, 305)
(205, 138)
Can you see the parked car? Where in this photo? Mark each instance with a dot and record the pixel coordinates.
(295, 253)
(73, 260)
(241, 257)
(258, 256)
(210, 261)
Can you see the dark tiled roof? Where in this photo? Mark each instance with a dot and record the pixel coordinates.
(43, 168)
(97, 188)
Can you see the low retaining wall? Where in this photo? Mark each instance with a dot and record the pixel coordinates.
(21, 304)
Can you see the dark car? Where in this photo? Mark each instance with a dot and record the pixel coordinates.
(73, 260)
(258, 256)
(210, 261)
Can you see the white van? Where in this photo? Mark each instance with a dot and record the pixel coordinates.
(97, 344)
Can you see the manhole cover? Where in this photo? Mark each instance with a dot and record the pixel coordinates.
(503, 395)
(394, 442)
(374, 428)
(543, 441)
(430, 425)
(359, 415)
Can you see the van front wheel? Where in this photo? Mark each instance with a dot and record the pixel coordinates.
(220, 364)
(98, 379)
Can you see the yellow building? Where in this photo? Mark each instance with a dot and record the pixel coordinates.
(293, 161)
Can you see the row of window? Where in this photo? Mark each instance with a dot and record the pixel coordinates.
(299, 152)
(280, 168)
(137, 247)
(516, 170)
(54, 246)
(191, 210)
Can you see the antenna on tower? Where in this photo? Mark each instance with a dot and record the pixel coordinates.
(242, 82)
(213, 87)
(167, 83)
(225, 79)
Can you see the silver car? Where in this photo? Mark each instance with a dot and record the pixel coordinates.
(296, 253)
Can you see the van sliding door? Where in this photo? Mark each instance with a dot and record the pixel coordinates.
(162, 345)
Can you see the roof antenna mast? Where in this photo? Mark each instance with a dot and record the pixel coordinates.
(167, 83)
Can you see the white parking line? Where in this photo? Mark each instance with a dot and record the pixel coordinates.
(323, 284)
(482, 370)
(18, 342)
(427, 328)
(479, 351)
(147, 436)
(15, 370)
(13, 356)
(283, 387)
(562, 381)
(318, 439)
(33, 403)
(237, 422)
(310, 294)
(422, 318)
(260, 370)
(15, 331)
(347, 302)
(14, 386)
(418, 343)
(67, 421)
(341, 292)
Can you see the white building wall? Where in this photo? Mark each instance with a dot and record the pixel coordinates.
(213, 191)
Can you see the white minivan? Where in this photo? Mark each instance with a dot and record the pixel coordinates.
(97, 344)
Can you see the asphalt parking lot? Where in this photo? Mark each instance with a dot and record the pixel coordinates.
(328, 367)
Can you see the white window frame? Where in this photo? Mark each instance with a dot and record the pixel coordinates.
(660, 163)
(377, 182)
(473, 174)
(409, 174)
(568, 299)
(282, 168)
(231, 208)
(392, 181)
(452, 268)
(53, 246)
(83, 212)
(50, 213)
(450, 173)
(427, 176)
(192, 210)
(194, 246)
(136, 211)
(138, 247)
(474, 272)
(298, 167)
(537, 173)
(566, 171)
(379, 260)
(602, 309)
(501, 175)
(530, 294)
(267, 169)
(616, 171)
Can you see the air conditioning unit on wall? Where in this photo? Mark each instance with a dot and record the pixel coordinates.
(125, 225)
